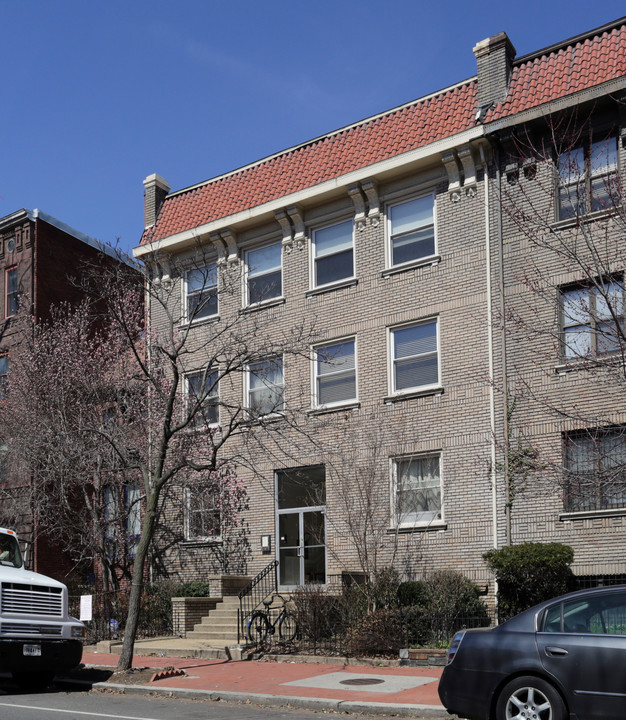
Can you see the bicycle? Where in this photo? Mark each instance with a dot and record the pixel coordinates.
(261, 627)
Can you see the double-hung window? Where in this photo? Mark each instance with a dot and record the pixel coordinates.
(129, 521)
(4, 375)
(411, 229)
(203, 398)
(11, 300)
(417, 490)
(587, 177)
(4, 470)
(333, 253)
(264, 273)
(592, 319)
(265, 387)
(595, 469)
(415, 357)
(335, 373)
(201, 292)
(202, 516)
(133, 517)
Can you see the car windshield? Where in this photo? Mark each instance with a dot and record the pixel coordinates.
(10, 552)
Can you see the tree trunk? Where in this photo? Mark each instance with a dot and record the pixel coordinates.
(132, 620)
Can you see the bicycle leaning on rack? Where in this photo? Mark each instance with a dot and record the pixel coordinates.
(262, 629)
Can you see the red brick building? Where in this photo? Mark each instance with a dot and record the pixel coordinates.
(41, 261)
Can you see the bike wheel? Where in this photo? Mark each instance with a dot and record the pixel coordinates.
(258, 627)
(287, 628)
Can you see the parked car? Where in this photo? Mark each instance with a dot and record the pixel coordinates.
(564, 658)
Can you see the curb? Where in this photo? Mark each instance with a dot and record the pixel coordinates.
(312, 703)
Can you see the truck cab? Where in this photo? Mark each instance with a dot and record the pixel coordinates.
(38, 639)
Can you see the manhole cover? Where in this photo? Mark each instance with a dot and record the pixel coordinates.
(361, 681)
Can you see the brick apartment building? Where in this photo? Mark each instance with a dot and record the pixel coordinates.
(419, 243)
(41, 263)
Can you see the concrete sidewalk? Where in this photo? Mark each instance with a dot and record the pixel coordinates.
(346, 688)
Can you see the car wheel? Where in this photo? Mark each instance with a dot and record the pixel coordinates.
(530, 698)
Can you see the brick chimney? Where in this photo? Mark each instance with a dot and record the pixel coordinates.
(494, 57)
(156, 189)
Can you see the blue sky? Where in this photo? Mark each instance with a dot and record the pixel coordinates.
(99, 94)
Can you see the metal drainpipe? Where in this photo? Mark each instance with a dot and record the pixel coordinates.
(148, 315)
(492, 400)
(505, 375)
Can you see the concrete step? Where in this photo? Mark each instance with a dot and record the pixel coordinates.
(218, 639)
(222, 612)
(220, 626)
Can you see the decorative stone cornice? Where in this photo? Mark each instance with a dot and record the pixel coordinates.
(354, 191)
(454, 176)
(231, 243)
(370, 188)
(285, 225)
(297, 218)
(469, 166)
(220, 248)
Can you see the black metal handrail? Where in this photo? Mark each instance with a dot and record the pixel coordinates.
(252, 596)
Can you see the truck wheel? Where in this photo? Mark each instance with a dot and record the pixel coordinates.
(35, 681)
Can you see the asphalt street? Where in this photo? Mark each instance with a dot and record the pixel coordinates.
(58, 704)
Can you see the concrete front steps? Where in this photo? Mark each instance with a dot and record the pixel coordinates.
(219, 628)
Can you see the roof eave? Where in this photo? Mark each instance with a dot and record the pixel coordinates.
(178, 240)
(549, 108)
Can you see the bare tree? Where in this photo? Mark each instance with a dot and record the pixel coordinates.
(110, 399)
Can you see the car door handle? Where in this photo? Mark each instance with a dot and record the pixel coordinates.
(552, 651)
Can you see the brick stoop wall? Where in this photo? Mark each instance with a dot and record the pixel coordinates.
(189, 611)
(423, 657)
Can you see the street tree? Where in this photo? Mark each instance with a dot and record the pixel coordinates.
(106, 396)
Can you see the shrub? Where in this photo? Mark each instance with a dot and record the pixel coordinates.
(412, 592)
(453, 603)
(442, 604)
(156, 608)
(379, 633)
(529, 573)
(320, 616)
(195, 589)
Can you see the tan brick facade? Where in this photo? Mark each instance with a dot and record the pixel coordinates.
(480, 252)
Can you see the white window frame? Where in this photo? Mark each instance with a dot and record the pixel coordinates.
(4, 375)
(132, 498)
(210, 267)
(393, 390)
(436, 516)
(587, 319)
(248, 389)
(13, 295)
(578, 450)
(389, 239)
(190, 507)
(314, 256)
(131, 516)
(213, 396)
(250, 273)
(315, 376)
(575, 186)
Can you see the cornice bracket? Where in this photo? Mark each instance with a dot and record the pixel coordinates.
(297, 218)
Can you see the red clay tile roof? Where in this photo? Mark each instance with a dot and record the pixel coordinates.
(534, 81)
(568, 70)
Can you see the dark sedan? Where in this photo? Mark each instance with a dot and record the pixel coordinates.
(564, 658)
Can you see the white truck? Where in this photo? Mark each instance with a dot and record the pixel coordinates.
(38, 639)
